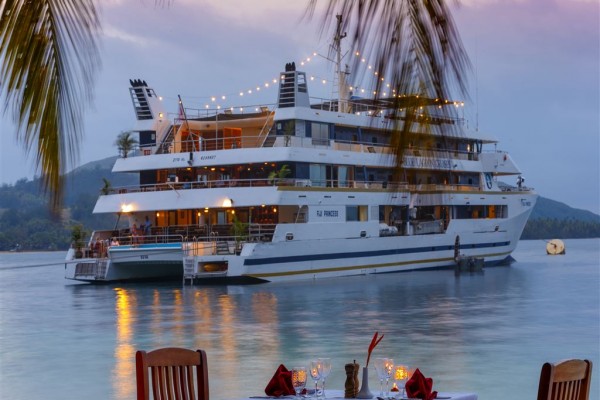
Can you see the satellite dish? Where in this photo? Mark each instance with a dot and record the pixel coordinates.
(555, 246)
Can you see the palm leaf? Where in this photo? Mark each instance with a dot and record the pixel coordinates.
(415, 45)
(49, 57)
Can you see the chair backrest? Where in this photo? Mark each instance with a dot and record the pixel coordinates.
(566, 380)
(171, 373)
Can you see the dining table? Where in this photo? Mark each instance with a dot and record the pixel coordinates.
(339, 394)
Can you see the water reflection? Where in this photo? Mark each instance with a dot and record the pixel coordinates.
(266, 325)
(124, 371)
(205, 318)
(446, 326)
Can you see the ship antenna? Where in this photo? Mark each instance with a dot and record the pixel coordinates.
(476, 87)
(337, 46)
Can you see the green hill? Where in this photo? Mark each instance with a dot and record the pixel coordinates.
(552, 209)
(24, 216)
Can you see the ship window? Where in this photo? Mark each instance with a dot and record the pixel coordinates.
(356, 213)
(342, 176)
(318, 175)
(351, 213)
(474, 212)
(319, 133)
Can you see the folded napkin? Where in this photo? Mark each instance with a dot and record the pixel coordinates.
(281, 383)
(419, 387)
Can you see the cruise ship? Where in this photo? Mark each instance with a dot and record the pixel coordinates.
(303, 189)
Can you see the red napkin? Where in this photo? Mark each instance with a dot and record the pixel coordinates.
(419, 387)
(281, 383)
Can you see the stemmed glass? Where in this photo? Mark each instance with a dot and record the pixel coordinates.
(380, 369)
(401, 375)
(315, 375)
(324, 368)
(298, 380)
(388, 371)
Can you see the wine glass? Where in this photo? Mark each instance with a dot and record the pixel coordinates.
(298, 380)
(401, 373)
(315, 375)
(379, 368)
(324, 368)
(388, 370)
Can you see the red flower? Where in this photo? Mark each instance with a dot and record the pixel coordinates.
(374, 342)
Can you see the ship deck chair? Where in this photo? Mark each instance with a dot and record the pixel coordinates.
(565, 380)
(171, 373)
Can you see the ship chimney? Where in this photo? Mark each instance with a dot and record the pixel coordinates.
(151, 117)
(146, 103)
(293, 90)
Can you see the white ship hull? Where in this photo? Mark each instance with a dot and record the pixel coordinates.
(304, 191)
(493, 240)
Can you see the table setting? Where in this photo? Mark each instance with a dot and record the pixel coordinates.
(309, 382)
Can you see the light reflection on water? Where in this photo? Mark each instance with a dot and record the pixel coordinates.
(125, 308)
(487, 333)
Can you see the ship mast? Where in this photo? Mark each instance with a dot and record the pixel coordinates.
(343, 96)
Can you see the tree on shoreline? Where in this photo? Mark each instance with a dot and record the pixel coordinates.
(125, 143)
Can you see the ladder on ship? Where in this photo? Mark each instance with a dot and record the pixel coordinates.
(223, 247)
(167, 142)
(270, 140)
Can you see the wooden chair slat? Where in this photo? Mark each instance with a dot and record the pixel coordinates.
(172, 374)
(566, 380)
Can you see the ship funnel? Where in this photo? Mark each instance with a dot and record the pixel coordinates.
(146, 104)
(293, 90)
(152, 122)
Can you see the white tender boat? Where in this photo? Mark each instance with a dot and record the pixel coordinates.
(302, 190)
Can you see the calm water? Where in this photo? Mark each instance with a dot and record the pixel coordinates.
(488, 333)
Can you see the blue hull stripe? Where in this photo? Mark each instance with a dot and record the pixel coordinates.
(374, 253)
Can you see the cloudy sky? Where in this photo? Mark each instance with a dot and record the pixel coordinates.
(535, 84)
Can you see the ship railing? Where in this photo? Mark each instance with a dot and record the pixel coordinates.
(200, 184)
(381, 108)
(197, 113)
(517, 188)
(218, 241)
(295, 182)
(125, 238)
(199, 144)
(199, 239)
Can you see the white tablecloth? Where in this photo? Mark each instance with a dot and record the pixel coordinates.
(339, 394)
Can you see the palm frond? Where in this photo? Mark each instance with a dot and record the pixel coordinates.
(49, 58)
(414, 44)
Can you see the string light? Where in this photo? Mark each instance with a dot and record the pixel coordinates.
(309, 59)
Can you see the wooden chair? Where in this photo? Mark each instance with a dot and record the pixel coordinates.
(565, 380)
(169, 374)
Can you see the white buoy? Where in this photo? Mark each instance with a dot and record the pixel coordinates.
(555, 246)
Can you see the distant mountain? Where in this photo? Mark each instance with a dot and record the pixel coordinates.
(105, 164)
(88, 179)
(546, 208)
